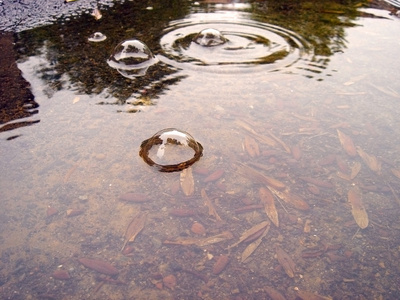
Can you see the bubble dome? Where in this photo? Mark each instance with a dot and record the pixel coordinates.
(97, 37)
(171, 150)
(210, 37)
(132, 58)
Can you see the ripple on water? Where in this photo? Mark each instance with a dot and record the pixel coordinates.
(245, 44)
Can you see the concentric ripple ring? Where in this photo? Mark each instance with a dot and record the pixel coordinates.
(250, 44)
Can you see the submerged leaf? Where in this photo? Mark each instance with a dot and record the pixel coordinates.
(134, 228)
(355, 169)
(305, 295)
(267, 199)
(254, 175)
(253, 230)
(347, 143)
(357, 207)
(286, 262)
(226, 235)
(291, 199)
(211, 209)
(370, 160)
(396, 172)
(251, 146)
(98, 265)
(187, 181)
(254, 245)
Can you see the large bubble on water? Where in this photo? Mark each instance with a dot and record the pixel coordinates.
(171, 150)
(132, 58)
(210, 37)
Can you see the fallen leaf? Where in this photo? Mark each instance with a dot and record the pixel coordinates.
(267, 199)
(220, 264)
(226, 235)
(248, 233)
(396, 172)
(211, 209)
(282, 143)
(370, 160)
(254, 175)
(187, 181)
(347, 143)
(357, 207)
(251, 146)
(286, 262)
(134, 228)
(305, 295)
(98, 265)
(254, 245)
(355, 169)
(273, 293)
(292, 199)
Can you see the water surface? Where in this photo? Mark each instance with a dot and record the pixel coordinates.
(276, 99)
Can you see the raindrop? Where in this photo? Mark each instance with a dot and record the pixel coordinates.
(210, 37)
(132, 58)
(171, 150)
(97, 37)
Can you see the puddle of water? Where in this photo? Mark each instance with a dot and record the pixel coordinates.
(72, 183)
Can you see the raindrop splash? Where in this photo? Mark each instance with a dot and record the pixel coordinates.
(132, 58)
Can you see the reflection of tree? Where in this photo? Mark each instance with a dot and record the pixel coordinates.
(68, 51)
(322, 23)
(16, 99)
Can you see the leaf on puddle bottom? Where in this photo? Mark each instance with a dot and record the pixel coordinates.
(355, 169)
(347, 143)
(357, 207)
(396, 172)
(134, 228)
(254, 245)
(370, 160)
(226, 235)
(291, 199)
(286, 262)
(248, 233)
(211, 209)
(254, 175)
(187, 181)
(267, 199)
(273, 293)
(305, 295)
(251, 146)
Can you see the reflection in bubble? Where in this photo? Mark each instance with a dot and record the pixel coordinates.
(243, 44)
(97, 37)
(210, 37)
(171, 150)
(132, 58)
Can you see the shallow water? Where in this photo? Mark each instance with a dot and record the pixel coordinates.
(275, 98)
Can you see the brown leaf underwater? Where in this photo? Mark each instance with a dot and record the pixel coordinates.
(357, 207)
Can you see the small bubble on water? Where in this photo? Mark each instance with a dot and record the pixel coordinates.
(97, 37)
(132, 58)
(210, 37)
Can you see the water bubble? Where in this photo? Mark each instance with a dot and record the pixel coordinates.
(97, 37)
(171, 150)
(210, 37)
(132, 58)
